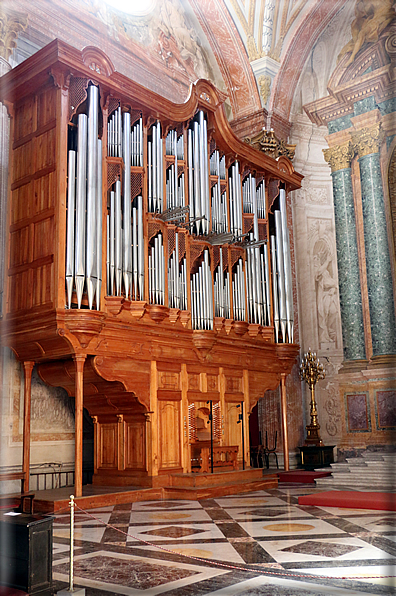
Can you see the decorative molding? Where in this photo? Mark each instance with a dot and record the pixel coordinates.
(264, 83)
(11, 23)
(368, 140)
(339, 157)
(267, 142)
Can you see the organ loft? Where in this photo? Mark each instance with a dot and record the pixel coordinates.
(148, 267)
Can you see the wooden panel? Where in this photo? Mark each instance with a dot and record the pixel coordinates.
(20, 291)
(42, 285)
(20, 204)
(19, 247)
(135, 445)
(107, 446)
(44, 192)
(169, 434)
(46, 107)
(24, 118)
(233, 429)
(43, 238)
(23, 161)
(45, 149)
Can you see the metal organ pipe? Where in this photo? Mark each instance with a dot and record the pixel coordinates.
(275, 287)
(198, 174)
(127, 249)
(81, 193)
(287, 266)
(71, 190)
(202, 296)
(84, 208)
(99, 225)
(284, 293)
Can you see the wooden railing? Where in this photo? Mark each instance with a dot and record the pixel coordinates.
(230, 453)
(42, 478)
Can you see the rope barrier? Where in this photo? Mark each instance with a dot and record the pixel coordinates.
(270, 573)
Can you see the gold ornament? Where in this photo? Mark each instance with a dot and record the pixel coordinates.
(368, 140)
(11, 23)
(339, 157)
(311, 371)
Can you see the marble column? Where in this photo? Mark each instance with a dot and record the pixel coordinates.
(367, 143)
(339, 158)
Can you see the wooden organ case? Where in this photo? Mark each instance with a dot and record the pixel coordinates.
(147, 274)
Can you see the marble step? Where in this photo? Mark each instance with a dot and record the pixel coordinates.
(382, 485)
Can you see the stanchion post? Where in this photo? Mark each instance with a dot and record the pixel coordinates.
(71, 590)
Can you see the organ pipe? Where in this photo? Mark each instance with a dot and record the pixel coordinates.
(281, 266)
(215, 208)
(84, 208)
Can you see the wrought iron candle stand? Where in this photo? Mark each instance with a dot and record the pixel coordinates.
(311, 371)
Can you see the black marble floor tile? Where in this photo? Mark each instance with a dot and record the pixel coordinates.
(251, 552)
(323, 549)
(133, 573)
(218, 514)
(173, 532)
(232, 530)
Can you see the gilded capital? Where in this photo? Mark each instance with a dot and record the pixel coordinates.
(339, 157)
(368, 140)
(11, 23)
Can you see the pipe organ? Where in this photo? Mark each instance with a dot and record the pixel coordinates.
(147, 240)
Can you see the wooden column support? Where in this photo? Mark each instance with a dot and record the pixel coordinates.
(284, 423)
(79, 359)
(28, 369)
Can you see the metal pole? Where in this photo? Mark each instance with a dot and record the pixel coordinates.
(211, 434)
(284, 422)
(243, 433)
(71, 566)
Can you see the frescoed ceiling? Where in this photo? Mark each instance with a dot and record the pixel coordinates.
(254, 50)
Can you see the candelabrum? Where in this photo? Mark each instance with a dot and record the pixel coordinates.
(311, 371)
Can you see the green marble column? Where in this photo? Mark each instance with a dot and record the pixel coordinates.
(378, 265)
(339, 159)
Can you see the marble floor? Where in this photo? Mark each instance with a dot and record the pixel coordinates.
(260, 543)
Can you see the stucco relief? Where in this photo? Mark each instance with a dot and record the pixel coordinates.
(51, 409)
(326, 285)
(333, 410)
(310, 193)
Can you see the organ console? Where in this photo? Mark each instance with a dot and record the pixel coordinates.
(148, 260)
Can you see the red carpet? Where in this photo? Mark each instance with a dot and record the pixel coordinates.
(302, 476)
(351, 500)
(5, 591)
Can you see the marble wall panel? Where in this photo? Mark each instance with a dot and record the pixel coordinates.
(357, 410)
(385, 403)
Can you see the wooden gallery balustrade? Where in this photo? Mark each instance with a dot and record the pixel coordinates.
(148, 262)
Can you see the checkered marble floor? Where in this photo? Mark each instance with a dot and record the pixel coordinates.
(263, 543)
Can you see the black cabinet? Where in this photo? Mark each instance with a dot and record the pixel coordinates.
(26, 552)
(316, 456)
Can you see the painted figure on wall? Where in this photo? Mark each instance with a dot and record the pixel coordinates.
(372, 16)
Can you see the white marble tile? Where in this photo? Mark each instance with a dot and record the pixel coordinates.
(265, 583)
(81, 533)
(210, 531)
(259, 501)
(285, 511)
(384, 522)
(218, 552)
(167, 517)
(376, 574)
(345, 512)
(200, 574)
(363, 550)
(292, 528)
(167, 505)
